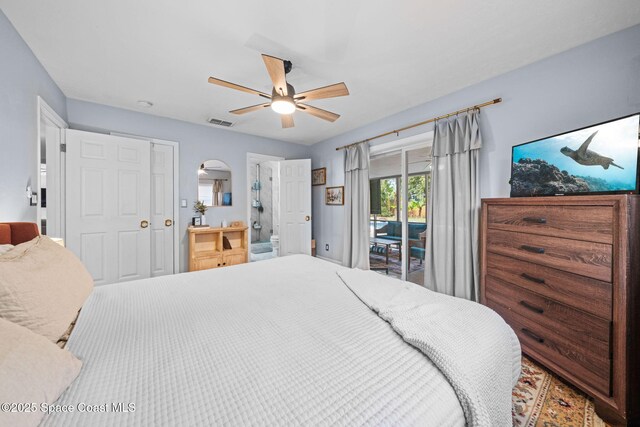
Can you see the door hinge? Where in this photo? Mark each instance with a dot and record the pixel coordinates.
(63, 148)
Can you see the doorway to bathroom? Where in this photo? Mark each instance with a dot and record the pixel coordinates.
(263, 202)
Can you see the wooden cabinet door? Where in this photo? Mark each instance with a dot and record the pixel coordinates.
(209, 262)
(233, 259)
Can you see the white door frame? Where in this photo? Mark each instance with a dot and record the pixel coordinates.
(261, 158)
(176, 191)
(403, 146)
(47, 114)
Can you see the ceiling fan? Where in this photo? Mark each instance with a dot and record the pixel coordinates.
(283, 99)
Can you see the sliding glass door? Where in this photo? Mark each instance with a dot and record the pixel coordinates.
(398, 222)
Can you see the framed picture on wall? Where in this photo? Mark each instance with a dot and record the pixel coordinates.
(334, 195)
(319, 176)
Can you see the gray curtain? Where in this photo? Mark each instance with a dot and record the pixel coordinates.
(451, 259)
(356, 207)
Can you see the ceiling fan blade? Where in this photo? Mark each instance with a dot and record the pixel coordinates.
(249, 109)
(287, 120)
(219, 82)
(275, 67)
(320, 113)
(331, 91)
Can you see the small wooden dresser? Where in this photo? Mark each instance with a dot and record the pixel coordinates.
(206, 248)
(563, 272)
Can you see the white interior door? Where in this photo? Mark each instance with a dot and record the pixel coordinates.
(52, 177)
(162, 220)
(295, 207)
(108, 204)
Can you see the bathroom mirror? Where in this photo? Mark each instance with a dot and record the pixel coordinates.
(214, 183)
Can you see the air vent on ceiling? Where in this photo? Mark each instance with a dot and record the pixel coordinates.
(219, 122)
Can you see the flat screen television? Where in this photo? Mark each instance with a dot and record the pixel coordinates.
(599, 159)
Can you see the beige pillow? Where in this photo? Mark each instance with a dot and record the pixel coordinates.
(5, 248)
(33, 370)
(42, 287)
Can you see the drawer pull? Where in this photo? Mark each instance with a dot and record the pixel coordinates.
(533, 249)
(531, 307)
(532, 335)
(532, 278)
(535, 220)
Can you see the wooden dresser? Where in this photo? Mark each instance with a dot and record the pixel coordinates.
(563, 272)
(206, 248)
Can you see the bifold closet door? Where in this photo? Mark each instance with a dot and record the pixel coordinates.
(108, 205)
(295, 206)
(162, 222)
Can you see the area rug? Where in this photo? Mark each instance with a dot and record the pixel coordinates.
(395, 267)
(541, 399)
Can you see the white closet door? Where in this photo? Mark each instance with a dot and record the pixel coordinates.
(295, 207)
(107, 205)
(162, 222)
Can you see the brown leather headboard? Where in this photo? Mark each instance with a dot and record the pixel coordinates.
(14, 233)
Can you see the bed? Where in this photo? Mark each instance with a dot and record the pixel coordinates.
(288, 341)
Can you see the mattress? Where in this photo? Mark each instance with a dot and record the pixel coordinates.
(279, 342)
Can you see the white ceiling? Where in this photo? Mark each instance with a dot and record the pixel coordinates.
(391, 54)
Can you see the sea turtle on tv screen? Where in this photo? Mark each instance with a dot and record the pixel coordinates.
(586, 157)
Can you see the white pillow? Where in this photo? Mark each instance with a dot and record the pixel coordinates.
(33, 370)
(42, 287)
(5, 248)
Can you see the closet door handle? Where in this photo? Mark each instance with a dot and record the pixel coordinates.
(168, 223)
(532, 278)
(535, 220)
(144, 223)
(534, 249)
(531, 307)
(307, 218)
(532, 335)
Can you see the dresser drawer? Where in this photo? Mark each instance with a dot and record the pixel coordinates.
(590, 223)
(553, 349)
(590, 295)
(575, 256)
(582, 329)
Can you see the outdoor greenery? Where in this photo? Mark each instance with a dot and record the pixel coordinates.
(389, 201)
(417, 198)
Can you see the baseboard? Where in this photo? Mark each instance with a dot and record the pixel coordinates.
(329, 259)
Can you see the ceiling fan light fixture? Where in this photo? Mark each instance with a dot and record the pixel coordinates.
(283, 105)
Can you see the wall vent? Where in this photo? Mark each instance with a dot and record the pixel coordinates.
(219, 122)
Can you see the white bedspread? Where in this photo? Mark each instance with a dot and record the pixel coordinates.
(279, 342)
(470, 343)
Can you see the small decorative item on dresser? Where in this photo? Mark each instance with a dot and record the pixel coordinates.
(237, 224)
(224, 223)
(201, 208)
(319, 176)
(334, 195)
(195, 221)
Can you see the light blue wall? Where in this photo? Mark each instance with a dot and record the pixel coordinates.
(22, 79)
(585, 85)
(197, 144)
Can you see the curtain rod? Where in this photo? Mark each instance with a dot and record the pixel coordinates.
(397, 131)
